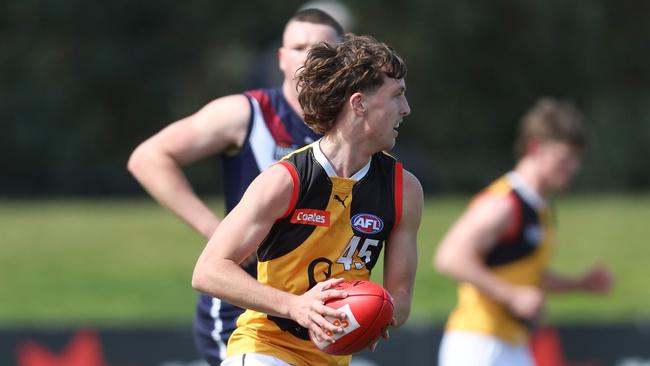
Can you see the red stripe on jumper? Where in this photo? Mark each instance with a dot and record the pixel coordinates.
(272, 120)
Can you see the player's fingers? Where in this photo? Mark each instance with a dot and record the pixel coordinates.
(326, 328)
(385, 334)
(317, 331)
(325, 310)
(332, 282)
(333, 294)
(373, 346)
(320, 335)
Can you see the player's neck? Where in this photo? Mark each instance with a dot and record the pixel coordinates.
(291, 95)
(529, 173)
(344, 155)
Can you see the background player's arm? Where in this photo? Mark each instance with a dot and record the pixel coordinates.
(217, 270)
(596, 279)
(460, 255)
(400, 259)
(220, 126)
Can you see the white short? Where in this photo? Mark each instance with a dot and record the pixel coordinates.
(253, 359)
(258, 359)
(459, 348)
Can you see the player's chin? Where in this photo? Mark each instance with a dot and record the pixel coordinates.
(388, 144)
(561, 184)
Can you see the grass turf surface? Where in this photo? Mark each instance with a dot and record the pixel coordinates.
(129, 262)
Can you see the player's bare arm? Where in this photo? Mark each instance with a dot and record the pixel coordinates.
(157, 163)
(461, 252)
(400, 260)
(597, 279)
(217, 271)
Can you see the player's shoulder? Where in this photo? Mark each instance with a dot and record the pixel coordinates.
(281, 172)
(411, 183)
(231, 111)
(225, 117)
(260, 94)
(270, 194)
(496, 200)
(277, 183)
(299, 156)
(236, 103)
(268, 98)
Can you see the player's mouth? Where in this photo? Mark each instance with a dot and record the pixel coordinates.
(396, 125)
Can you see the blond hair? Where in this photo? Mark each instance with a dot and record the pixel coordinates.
(551, 120)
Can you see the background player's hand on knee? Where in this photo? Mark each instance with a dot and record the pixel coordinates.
(309, 309)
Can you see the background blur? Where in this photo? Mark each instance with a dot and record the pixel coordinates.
(82, 83)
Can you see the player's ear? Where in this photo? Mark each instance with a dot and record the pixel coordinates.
(281, 62)
(357, 103)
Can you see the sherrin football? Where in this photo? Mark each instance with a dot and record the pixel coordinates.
(369, 310)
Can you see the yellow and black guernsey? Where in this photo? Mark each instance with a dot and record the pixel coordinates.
(334, 228)
(520, 257)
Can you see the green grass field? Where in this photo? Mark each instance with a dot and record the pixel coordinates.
(129, 262)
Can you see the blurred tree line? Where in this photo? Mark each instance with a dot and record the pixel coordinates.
(84, 82)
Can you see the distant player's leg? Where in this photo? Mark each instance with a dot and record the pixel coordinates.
(214, 322)
(474, 349)
(253, 359)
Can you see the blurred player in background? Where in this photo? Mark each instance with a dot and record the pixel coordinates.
(298, 215)
(264, 71)
(250, 131)
(499, 248)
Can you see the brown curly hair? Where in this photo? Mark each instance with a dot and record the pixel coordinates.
(333, 72)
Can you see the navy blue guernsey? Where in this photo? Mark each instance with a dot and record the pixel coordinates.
(274, 130)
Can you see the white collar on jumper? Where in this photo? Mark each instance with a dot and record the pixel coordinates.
(329, 169)
(527, 192)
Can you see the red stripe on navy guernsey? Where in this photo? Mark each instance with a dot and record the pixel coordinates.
(296, 186)
(273, 122)
(399, 177)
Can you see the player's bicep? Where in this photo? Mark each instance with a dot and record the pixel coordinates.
(243, 229)
(476, 231)
(400, 260)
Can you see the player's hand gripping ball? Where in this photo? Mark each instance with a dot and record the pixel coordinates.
(369, 310)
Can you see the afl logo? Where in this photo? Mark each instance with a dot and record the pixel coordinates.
(367, 223)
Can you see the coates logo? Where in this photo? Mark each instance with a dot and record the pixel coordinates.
(367, 223)
(311, 217)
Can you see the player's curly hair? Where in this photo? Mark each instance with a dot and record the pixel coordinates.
(333, 72)
(550, 119)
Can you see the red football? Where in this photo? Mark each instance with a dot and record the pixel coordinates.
(369, 309)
